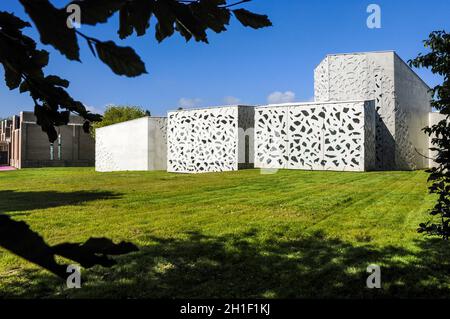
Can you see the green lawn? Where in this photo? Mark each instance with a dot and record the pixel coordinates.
(240, 234)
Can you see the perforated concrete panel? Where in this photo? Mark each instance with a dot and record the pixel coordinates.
(401, 101)
(210, 140)
(138, 145)
(316, 136)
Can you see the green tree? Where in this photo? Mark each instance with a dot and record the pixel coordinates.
(24, 63)
(438, 61)
(118, 114)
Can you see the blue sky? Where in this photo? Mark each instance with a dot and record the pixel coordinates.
(241, 65)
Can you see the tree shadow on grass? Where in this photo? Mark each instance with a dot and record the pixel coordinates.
(16, 201)
(243, 266)
(231, 266)
(18, 238)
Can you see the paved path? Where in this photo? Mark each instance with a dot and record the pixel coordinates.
(6, 168)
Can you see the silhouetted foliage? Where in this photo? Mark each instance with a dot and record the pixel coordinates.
(18, 238)
(438, 60)
(24, 63)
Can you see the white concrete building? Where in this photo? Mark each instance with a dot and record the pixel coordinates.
(210, 140)
(338, 136)
(402, 102)
(369, 112)
(137, 145)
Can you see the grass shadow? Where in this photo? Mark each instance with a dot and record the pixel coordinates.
(15, 201)
(244, 266)
(18, 238)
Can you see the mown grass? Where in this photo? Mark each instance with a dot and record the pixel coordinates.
(241, 234)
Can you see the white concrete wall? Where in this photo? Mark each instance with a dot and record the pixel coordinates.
(157, 143)
(399, 94)
(412, 116)
(207, 140)
(137, 145)
(434, 118)
(337, 136)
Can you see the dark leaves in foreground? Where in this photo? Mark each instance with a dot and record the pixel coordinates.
(249, 19)
(122, 60)
(191, 20)
(23, 63)
(52, 26)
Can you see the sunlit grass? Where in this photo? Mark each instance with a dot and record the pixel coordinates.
(240, 234)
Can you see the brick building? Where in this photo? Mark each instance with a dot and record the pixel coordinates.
(23, 144)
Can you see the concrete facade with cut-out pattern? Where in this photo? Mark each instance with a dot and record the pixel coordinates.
(337, 136)
(402, 102)
(369, 112)
(210, 140)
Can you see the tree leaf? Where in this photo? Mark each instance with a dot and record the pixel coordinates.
(253, 20)
(12, 77)
(121, 60)
(166, 20)
(136, 16)
(211, 14)
(56, 80)
(11, 22)
(187, 24)
(40, 58)
(97, 11)
(52, 26)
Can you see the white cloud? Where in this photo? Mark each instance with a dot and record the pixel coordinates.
(231, 100)
(281, 97)
(187, 103)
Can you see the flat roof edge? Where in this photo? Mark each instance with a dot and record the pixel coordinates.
(310, 103)
(211, 108)
(139, 119)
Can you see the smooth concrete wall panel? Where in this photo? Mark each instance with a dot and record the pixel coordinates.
(370, 128)
(157, 144)
(246, 134)
(136, 145)
(413, 108)
(316, 136)
(434, 118)
(122, 147)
